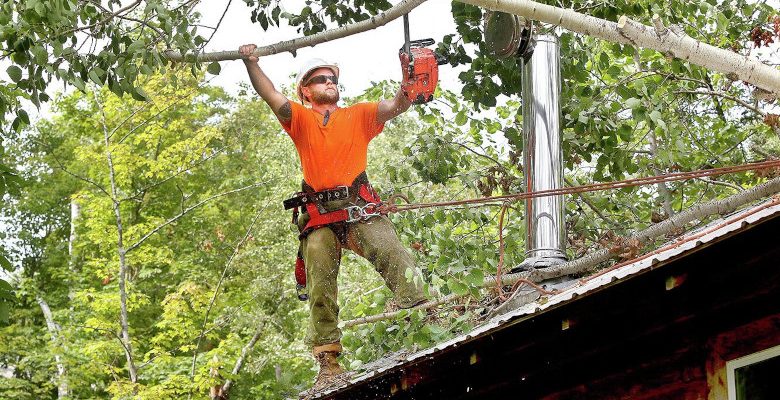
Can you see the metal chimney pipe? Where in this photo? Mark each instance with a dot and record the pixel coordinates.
(542, 155)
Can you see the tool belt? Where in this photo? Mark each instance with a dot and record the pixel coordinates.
(312, 203)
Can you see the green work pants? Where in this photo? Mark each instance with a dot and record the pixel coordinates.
(375, 240)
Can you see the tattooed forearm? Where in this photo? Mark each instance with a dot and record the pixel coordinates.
(284, 112)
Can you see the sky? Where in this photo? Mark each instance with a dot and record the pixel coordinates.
(362, 58)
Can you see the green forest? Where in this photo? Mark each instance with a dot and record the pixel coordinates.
(152, 199)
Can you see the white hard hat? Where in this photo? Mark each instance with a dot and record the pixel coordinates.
(310, 66)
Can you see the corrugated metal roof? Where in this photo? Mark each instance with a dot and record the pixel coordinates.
(731, 224)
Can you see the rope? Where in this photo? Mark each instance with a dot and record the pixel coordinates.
(678, 176)
(390, 206)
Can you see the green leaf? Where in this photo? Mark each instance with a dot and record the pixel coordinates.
(78, 83)
(5, 264)
(214, 68)
(14, 72)
(633, 103)
(460, 118)
(625, 132)
(139, 94)
(5, 289)
(655, 116)
(94, 77)
(475, 277)
(23, 116)
(457, 287)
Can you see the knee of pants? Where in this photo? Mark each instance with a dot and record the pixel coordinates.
(321, 247)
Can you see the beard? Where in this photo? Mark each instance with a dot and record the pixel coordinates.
(325, 97)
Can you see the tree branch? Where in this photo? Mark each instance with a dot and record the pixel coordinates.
(725, 96)
(307, 41)
(219, 285)
(225, 392)
(111, 16)
(63, 391)
(187, 210)
(591, 206)
(726, 184)
(627, 31)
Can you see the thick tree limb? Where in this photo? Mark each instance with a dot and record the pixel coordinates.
(666, 40)
(307, 41)
(587, 263)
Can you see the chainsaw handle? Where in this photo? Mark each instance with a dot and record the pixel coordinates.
(421, 42)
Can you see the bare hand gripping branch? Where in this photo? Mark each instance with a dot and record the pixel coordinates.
(374, 22)
(627, 31)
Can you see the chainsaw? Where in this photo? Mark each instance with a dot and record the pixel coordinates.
(420, 66)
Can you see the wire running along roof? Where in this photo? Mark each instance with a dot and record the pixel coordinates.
(709, 233)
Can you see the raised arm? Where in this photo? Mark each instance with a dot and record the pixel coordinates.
(391, 108)
(278, 102)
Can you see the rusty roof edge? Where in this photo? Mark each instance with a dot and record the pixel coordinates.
(751, 217)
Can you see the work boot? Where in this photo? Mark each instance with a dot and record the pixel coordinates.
(331, 375)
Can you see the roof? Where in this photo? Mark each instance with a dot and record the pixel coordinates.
(697, 239)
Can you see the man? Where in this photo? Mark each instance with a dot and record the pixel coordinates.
(332, 143)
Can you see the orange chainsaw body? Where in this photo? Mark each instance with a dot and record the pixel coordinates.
(420, 71)
(421, 76)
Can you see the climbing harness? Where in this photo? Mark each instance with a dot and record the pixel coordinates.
(313, 204)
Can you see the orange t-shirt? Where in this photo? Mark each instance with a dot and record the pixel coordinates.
(334, 154)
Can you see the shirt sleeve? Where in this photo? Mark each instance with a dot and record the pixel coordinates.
(372, 126)
(292, 127)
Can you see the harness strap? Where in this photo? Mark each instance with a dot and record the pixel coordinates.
(318, 217)
(317, 220)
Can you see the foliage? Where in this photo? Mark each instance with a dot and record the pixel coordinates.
(80, 42)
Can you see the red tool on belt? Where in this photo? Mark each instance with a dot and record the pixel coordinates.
(420, 67)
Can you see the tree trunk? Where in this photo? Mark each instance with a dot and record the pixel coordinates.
(123, 316)
(75, 213)
(63, 391)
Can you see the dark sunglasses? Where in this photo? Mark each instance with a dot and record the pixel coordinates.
(323, 79)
